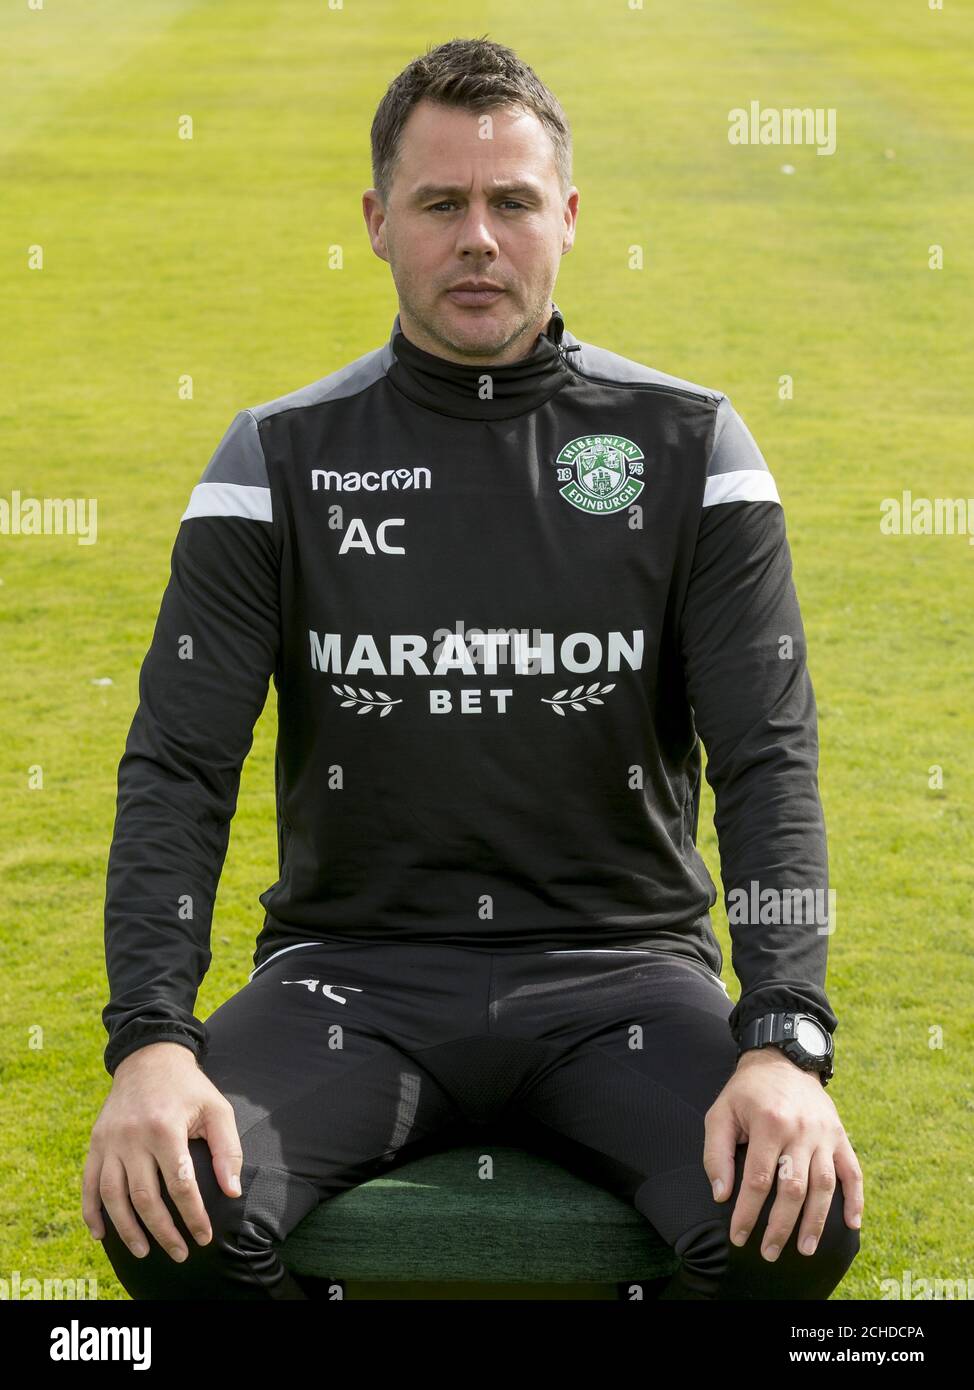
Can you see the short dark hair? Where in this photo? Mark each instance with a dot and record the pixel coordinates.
(475, 75)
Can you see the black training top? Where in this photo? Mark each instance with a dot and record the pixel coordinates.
(499, 605)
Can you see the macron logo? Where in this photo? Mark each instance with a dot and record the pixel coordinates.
(398, 479)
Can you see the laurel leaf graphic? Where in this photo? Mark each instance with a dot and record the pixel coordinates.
(558, 710)
(594, 700)
(364, 709)
(337, 689)
(347, 704)
(560, 694)
(386, 709)
(382, 695)
(577, 691)
(592, 688)
(577, 705)
(364, 693)
(350, 690)
(607, 688)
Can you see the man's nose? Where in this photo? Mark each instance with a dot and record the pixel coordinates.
(476, 230)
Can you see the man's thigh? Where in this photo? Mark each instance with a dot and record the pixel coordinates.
(307, 1055)
(323, 1099)
(645, 1051)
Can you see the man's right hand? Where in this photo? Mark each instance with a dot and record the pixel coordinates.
(160, 1099)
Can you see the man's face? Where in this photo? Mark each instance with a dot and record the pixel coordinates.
(475, 196)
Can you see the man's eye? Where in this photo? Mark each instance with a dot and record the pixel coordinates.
(449, 202)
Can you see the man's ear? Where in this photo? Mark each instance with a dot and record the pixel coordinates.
(374, 213)
(571, 219)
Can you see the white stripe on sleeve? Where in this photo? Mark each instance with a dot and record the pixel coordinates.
(229, 499)
(741, 485)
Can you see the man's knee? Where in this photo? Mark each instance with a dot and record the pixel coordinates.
(157, 1274)
(742, 1271)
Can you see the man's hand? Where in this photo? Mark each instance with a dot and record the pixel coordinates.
(794, 1134)
(160, 1098)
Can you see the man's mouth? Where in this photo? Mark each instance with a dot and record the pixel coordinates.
(471, 296)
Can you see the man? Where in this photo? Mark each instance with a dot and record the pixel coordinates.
(501, 578)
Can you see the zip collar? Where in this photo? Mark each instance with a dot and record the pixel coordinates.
(461, 390)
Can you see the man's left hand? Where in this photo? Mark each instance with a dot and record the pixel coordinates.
(794, 1134)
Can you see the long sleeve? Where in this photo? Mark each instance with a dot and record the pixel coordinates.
(202, 686)
(744, 656)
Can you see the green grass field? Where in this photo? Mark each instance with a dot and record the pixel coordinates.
(209, 258)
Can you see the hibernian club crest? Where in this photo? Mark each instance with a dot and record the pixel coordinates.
(599, 472)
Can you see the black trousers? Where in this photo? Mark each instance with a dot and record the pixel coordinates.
(342, 1061)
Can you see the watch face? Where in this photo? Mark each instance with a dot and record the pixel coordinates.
(812, 1038)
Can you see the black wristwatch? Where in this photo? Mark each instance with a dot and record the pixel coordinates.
(800, 1037)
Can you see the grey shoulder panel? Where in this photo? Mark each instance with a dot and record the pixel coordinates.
(737, 470)
(238, 457)
(603, 365)
(346, 381)
(235, 481)
(734, 446)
